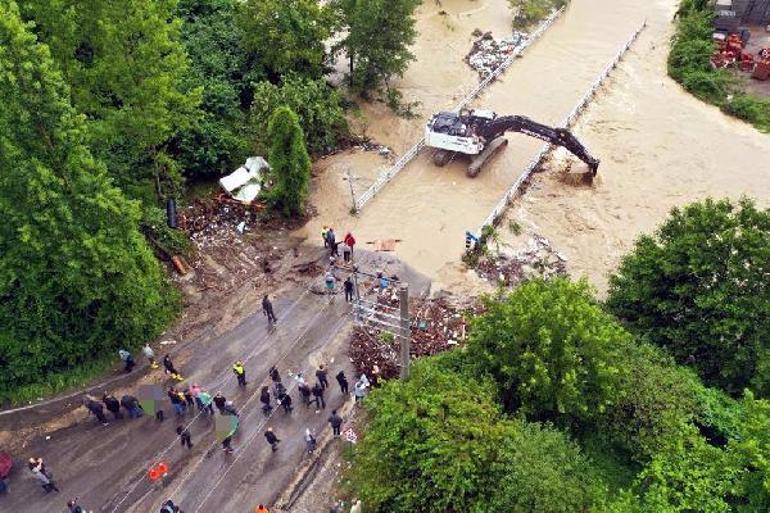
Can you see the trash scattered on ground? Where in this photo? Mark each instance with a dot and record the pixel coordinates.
(244, 183)
(488, 53)
(538, 260)
(218, 221)
(437, 325)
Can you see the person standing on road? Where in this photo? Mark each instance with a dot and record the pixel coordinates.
(240, 373)
(195, 390)
(274, 375)
(284, 400)
(74, 507)
(219, 402)
(330, 282)
(150, 355)
(272, 439)
(96, 410)
(169, 368)
(323, 236)
(318, 393)
(304, 391)
(131, 404)
(264, 398)
(267, 309)
(359, 390)
(345, 252)
(343, 382)
(128, 360)
(188, 398)
(227, 444)
(39, 471)
(310, 441)
(350, 241)
(177, 401)
(321, 375)
(261, 509)
(348, 290)
(184, 436)
(336, 422)
(112, 404)
(331, 240)
(205, 399)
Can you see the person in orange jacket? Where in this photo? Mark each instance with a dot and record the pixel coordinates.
(261, 509)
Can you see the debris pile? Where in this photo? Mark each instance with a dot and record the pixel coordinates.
(218, 221)
(538, 260)
(487, 53)
(437, 326)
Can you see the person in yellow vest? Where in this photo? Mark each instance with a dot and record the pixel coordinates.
(323, 236)
(240, 373)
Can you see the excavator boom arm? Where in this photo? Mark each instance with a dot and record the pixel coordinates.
(524, 125)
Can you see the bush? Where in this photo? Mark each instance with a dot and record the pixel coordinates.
(551, 350)
(289, 163)
(438, 443)
(699, 288)
(318, 106)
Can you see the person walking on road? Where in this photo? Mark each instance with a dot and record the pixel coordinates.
(342, 380)
(112, 404)
(131, 404)
(348, 290)
(322, 375)
(96, 410)
(336, 423)
(219, 402)
(304, 391)
(345, 252)
(39, 471)
(150, 355)
(330, 282)
(240, 373)
(128, 360)
(264, 398)
(272, 439)
(310, 441)
(318, 393)
(184, 437)
(350, 242)
(267, 309)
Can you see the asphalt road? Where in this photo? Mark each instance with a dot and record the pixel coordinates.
(106, 467)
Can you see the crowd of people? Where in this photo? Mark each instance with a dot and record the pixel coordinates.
(192, 398)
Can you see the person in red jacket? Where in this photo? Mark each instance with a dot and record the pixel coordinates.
(350, 241)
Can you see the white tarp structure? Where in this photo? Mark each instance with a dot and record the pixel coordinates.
(245, 182)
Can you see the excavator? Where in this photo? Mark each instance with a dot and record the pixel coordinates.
(480, 134)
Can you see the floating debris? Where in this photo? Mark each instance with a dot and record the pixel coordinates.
(488, 53)
(538, 260)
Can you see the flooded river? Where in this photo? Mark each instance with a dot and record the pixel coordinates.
(659, 146)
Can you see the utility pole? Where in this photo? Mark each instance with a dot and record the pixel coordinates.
(406, 332)
(354, 209)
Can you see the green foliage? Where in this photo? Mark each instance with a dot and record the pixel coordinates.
(318, 106)
(551, 350)
(287, 36)
(124, 64)
(688, 64)
(217, 141)
(437, 443)
(155, 228)
(379, 35)
(289, 162)
(529, 12)
(699, 288)
(77, 279)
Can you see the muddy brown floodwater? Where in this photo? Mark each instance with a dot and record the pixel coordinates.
(659, 146)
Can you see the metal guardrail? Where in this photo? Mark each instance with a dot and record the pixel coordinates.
(388, 174)
(497, 212)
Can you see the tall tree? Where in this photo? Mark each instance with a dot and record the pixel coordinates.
(287, 35)
(551, 349)
(700, 286)
(379, 35)
(124, 64)
(289, 162)
(76, 278)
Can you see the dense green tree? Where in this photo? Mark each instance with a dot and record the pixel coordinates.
(287, 35)
(318, 106)
(289, 163)
(77, 280)
(380, 33)
(218, 140)
(124, 64)
(438, 443)
(550, 348)
(699, 287)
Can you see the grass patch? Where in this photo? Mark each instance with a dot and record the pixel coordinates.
(529, 12)
(57, 383)
(689, 64)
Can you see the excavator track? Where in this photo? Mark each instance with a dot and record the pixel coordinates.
(442, 157)
(478, 162)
